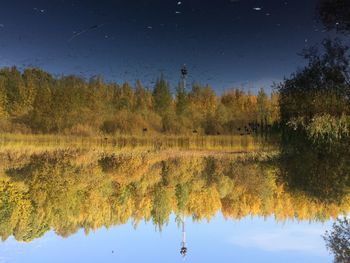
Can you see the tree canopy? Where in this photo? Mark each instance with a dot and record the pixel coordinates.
(34, 101)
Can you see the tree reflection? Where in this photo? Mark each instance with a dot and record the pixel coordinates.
(338, 240)
(321, 171)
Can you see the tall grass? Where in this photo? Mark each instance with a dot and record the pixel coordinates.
(229, 143)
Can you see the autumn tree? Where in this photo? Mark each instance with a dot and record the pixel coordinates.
(162, 98)
(3, 99)
(143, 98)
(181, 100)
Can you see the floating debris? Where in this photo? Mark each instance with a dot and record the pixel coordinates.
(257, 8)
(39, 10)
(76, 34)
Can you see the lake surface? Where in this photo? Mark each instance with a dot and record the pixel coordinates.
(107, 202)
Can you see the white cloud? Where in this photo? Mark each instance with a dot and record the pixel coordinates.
(288, 238)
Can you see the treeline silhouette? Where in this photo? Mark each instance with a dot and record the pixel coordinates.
(34, 101)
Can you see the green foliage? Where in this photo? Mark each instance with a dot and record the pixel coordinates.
(3, 100)
(35, 101)
(327, 128)
(162, 98)
(318, 168)
(182, 102)
(322, 87)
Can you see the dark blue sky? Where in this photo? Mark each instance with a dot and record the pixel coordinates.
(225, 43)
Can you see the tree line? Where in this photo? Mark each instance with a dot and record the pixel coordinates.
(313, 101)
(35, 101)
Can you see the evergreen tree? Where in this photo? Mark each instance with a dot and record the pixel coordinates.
(162, 98)
(181, 100)
(3, 99)
(262, 107)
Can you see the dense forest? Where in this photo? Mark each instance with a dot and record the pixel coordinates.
(35, 101)
(66, 190)
(314, 100)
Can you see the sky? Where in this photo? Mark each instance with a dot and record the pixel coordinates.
(225, 241)
(224, 43)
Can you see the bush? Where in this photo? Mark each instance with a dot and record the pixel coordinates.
(328, 128)
(323, 128)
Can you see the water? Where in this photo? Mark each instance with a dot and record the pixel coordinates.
(106, 203)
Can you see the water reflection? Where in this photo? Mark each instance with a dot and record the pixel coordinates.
(72, 189)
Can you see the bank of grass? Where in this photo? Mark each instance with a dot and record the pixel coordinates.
(235, 143)
(16, 150)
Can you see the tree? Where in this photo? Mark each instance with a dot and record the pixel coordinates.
(38, 84)
(203, 99)
(162, 98)
(335, 14)
(181, 100)
(338, 240)
(40, 117)
(322, 87)
(19, 97)
(262, 108)
(70, 104)
(3, 99)
(143, 98)
(124, 97)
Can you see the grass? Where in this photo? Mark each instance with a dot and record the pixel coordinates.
(16, 149)
(232, 143)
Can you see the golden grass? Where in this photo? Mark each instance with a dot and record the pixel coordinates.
(41, 142)
(16, 149)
